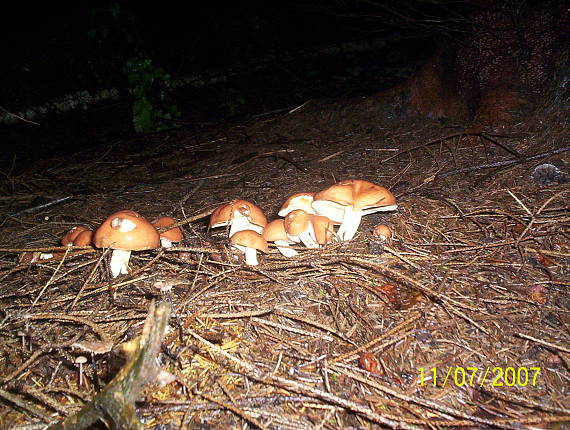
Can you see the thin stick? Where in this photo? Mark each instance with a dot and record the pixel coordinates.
(502, 163)
(543, 342)
(233, 409)
(413, 318)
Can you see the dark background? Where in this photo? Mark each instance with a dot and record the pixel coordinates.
(57, 48)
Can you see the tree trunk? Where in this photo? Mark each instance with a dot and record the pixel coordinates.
(503, 64)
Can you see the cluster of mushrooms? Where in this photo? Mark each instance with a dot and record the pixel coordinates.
(308, 218)
(123, 232)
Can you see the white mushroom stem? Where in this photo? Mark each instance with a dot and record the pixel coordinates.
(284, 249)
(120, 262)
(250, 254)
(350, 222)
(308, 238)
(242, 223)
(165, 243)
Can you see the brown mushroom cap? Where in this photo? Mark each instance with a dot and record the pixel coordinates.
(70, 236)
(275, 230)
(84, 238)
(174, 234)
(296, 222)
(223, 215)
(357, 193)
(297, 201)
(323, 228)
(382, 231)
(250, 239)
(126, 230)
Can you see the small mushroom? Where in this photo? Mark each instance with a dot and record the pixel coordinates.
(382, 232)
(22, 334)
(275, 232)
(84, 238)
(67, 240)
(168, 237)
(249, 242)
(348, 201)
(323, 229)
(297, 201)
(72, 234)
(239, 215)
(299, 228)
(81, 360)
(123, 232)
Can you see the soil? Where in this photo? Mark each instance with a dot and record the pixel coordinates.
(473, 284)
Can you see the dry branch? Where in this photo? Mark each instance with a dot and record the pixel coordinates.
(115, 404)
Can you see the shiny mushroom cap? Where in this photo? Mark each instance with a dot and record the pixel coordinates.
(174, 235)
(297, 201)
(84, 238)
(126, 230)
(249, 241)
(299, 228)
(240, 215)
(296, 222)
(323, 228)
(382, 232)
(275, 232)
(347, 201)
(70, 236)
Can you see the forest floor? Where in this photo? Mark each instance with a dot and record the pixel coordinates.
(461, 320)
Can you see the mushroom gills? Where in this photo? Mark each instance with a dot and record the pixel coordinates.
(240, 223)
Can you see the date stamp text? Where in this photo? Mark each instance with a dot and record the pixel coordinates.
(474, 376)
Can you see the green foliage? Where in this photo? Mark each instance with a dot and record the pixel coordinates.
(231, 100)
(151, 88)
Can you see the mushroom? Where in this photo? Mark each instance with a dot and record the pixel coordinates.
(66, 240)
(168, 237)
(299, 228)
(123, 232)
(84, 238)
(382, 232)
(275, 232)
(240, 215)
(347, 201)
(70, 236)
(248, 242)
(81, 360)
(323, 228)
(297, 201)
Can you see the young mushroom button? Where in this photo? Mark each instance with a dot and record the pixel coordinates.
(348, 201)
(382, 232)
(248, 242)
(84, 238)
(299, 228)
(239, 215)
(323, 228)
(275, 232)
(123, 232)
(167, 238)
